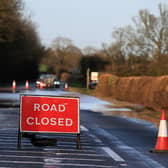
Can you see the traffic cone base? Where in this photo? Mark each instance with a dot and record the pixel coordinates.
(158, 151)
(162, 139)
(162, 143)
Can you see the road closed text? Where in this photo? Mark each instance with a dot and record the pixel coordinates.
(49, 121)
(48, 107)
(49, 114)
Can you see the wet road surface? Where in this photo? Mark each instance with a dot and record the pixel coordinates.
(61, 154)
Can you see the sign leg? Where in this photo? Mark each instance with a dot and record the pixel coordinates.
(19, 140)
(78, 145)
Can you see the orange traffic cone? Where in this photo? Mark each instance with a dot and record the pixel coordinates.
(41, 86)
(162, 140)
(14, 85)
(27, 84)
(66, 87)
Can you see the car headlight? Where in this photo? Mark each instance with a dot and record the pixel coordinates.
(56, 82)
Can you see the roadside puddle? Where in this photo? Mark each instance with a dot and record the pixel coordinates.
(113, 110)
(108, 108)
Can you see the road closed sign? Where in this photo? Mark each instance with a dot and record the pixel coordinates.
(49, 114)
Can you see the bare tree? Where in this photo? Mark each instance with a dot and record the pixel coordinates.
(152, 32)
(61, 43)
(66, 55)
(146, 39)
(89, 50)
(115, 51)
(59, 46)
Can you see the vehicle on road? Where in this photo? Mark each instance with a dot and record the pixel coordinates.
(57, 83)
(45, 81)
(93, 84)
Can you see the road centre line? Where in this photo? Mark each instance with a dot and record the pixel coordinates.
(113, 154)
(57, 164)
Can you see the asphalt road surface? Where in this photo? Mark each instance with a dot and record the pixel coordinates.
(106, 140)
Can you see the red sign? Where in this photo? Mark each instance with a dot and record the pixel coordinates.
(49, 114)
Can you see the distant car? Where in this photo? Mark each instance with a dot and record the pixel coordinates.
(40, 84)
(45, 81)
(93, 84)
(57, 83)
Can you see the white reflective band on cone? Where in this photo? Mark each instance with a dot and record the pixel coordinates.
(163, 129)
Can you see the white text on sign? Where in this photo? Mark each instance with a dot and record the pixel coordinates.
(49, 121)
(48, 107)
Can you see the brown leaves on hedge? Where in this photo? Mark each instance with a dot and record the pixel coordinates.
(149, 91)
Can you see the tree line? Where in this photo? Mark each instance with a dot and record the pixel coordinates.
(20, 46)
(137, 49)
(141, 49)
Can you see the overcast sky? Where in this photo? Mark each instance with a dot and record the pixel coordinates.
(85, 22)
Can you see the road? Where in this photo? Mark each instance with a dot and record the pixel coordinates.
(107, 140)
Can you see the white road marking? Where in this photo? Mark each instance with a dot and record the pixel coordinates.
(72, 143)
(83, 128)
(79, 159)
(62, 153)
(81, 154)
(130, 150)
(95, 138)
(46, 151)
(72, 150)
(113, 154)
(57, 164)
(47, 158)
(14, 143)
(73, 146)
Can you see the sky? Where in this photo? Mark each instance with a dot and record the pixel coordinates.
(85, 22)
